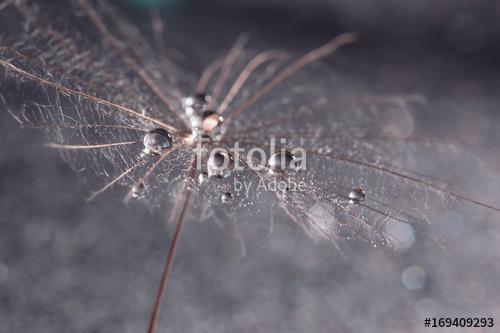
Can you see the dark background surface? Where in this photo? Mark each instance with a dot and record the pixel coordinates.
(69, 266)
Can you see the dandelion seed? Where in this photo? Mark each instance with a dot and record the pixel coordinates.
(118, 93)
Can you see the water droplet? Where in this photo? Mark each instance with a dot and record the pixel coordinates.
(211, 121)
(139, 190)
(220, 163)
(157, 140)
(202, 178)
(195, 103)
(357, 195)
(226, 197)
(283, 161)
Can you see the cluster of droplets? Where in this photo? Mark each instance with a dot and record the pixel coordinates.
(205, 123)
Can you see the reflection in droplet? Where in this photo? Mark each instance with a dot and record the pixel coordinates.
(157, 140)
(357, 195)
(220, 163)
(283, 161)
(413, 277)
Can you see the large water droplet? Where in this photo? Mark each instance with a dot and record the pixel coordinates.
(357, 195)
(220, 163)
(157, 140)
(139, 190)
(283, 161)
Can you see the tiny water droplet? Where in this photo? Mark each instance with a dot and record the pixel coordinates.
(157, 140)
(283, 161)
(202, 178)
(139, 190)
(220, 163)
(146, 110)
(226, 197)
(357, 195)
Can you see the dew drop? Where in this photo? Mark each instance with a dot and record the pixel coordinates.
(202, 178)
(211, 121)
(139, 190)
(283, 161)
(157, 140)
(226, 198)
(357, 195)
(220, 163)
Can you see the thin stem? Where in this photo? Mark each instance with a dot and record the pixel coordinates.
(114, 181)
(207, 75)
(116, 45)
(231, 57)
(256, 62)
(298, 64)
(158, 32)
(407, 177)
(85, 95)
(171, 255)
(83, 147)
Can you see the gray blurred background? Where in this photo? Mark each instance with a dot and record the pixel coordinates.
(69, 266)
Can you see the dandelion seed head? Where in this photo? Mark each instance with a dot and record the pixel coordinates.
(105, 99)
